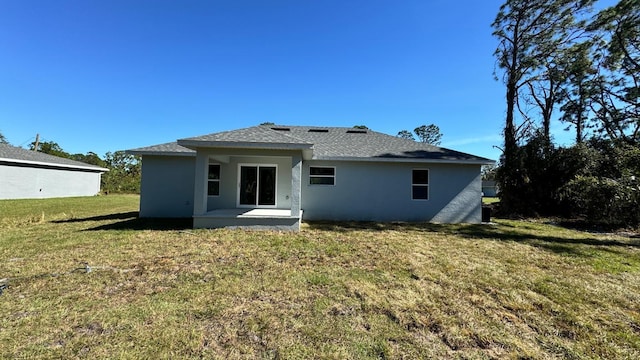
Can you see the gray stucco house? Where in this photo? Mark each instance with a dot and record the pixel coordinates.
(273, 176)
(26, 174)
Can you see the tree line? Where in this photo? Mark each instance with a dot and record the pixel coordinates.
(562, 60)
(124, 172)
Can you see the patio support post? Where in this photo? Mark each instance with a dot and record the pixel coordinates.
(296, 183)
(200, 188)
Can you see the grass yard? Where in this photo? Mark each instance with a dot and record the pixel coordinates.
(158, 289)
(486, 200)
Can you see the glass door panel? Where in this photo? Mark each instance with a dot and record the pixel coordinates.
(267, 186)
(248, 185)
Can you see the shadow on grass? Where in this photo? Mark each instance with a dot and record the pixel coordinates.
(500, 232)
(131, 221)
(117, 216)
(148, 224)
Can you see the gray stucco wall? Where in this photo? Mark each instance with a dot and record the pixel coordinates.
(22, 182)
(229, 181)
(167, 186)
(373, 191)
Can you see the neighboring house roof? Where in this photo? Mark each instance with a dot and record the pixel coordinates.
(16, 155)
(320, 143)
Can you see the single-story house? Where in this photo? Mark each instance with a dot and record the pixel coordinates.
(272, 176)
(26, 174)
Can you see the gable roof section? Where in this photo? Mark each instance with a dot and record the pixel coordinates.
(19, 156)
(332, 143)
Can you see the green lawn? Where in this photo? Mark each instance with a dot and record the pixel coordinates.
(158, 289)
(490, 200)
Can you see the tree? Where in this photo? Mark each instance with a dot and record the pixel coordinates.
(405, 134)
(528, 33)
(3, 140)
(49, 147)
(428, 134)
(555, 61)
(574, 93)
(488, 172)
(267, 123)
(124, 173)
(89, 158)
(615, 99)
(363, 127)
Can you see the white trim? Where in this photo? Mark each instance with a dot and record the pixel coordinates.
(52, 164)
(322, 176)
(258, 166)
(427, 185)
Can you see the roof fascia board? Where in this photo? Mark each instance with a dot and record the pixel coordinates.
(405, 160)
(51, 164)
(160, 153)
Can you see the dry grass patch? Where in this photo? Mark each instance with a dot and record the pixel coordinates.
(158, 289)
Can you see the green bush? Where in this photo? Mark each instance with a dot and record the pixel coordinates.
(604, 200)
(596, 181)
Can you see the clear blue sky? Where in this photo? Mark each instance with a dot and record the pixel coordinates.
(117, 74)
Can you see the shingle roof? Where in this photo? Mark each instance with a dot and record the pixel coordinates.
(343, 142)
(171, 148)
(257, 134)
(327, 143)
(14, 154)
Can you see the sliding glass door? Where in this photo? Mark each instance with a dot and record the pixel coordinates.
(257, 185)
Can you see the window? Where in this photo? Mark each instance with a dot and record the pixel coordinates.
(420, 184)
(322, 175)
(213, 180)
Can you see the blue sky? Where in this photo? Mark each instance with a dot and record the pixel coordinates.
(111, 75)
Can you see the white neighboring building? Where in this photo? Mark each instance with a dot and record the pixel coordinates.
(26, 174)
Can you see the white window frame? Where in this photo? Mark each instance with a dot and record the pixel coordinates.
(257, 206)
(323, 176)
(214, 180)
(427, 185)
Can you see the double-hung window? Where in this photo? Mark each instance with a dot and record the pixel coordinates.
(420, 184)
(213, 180)
(322, 175)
